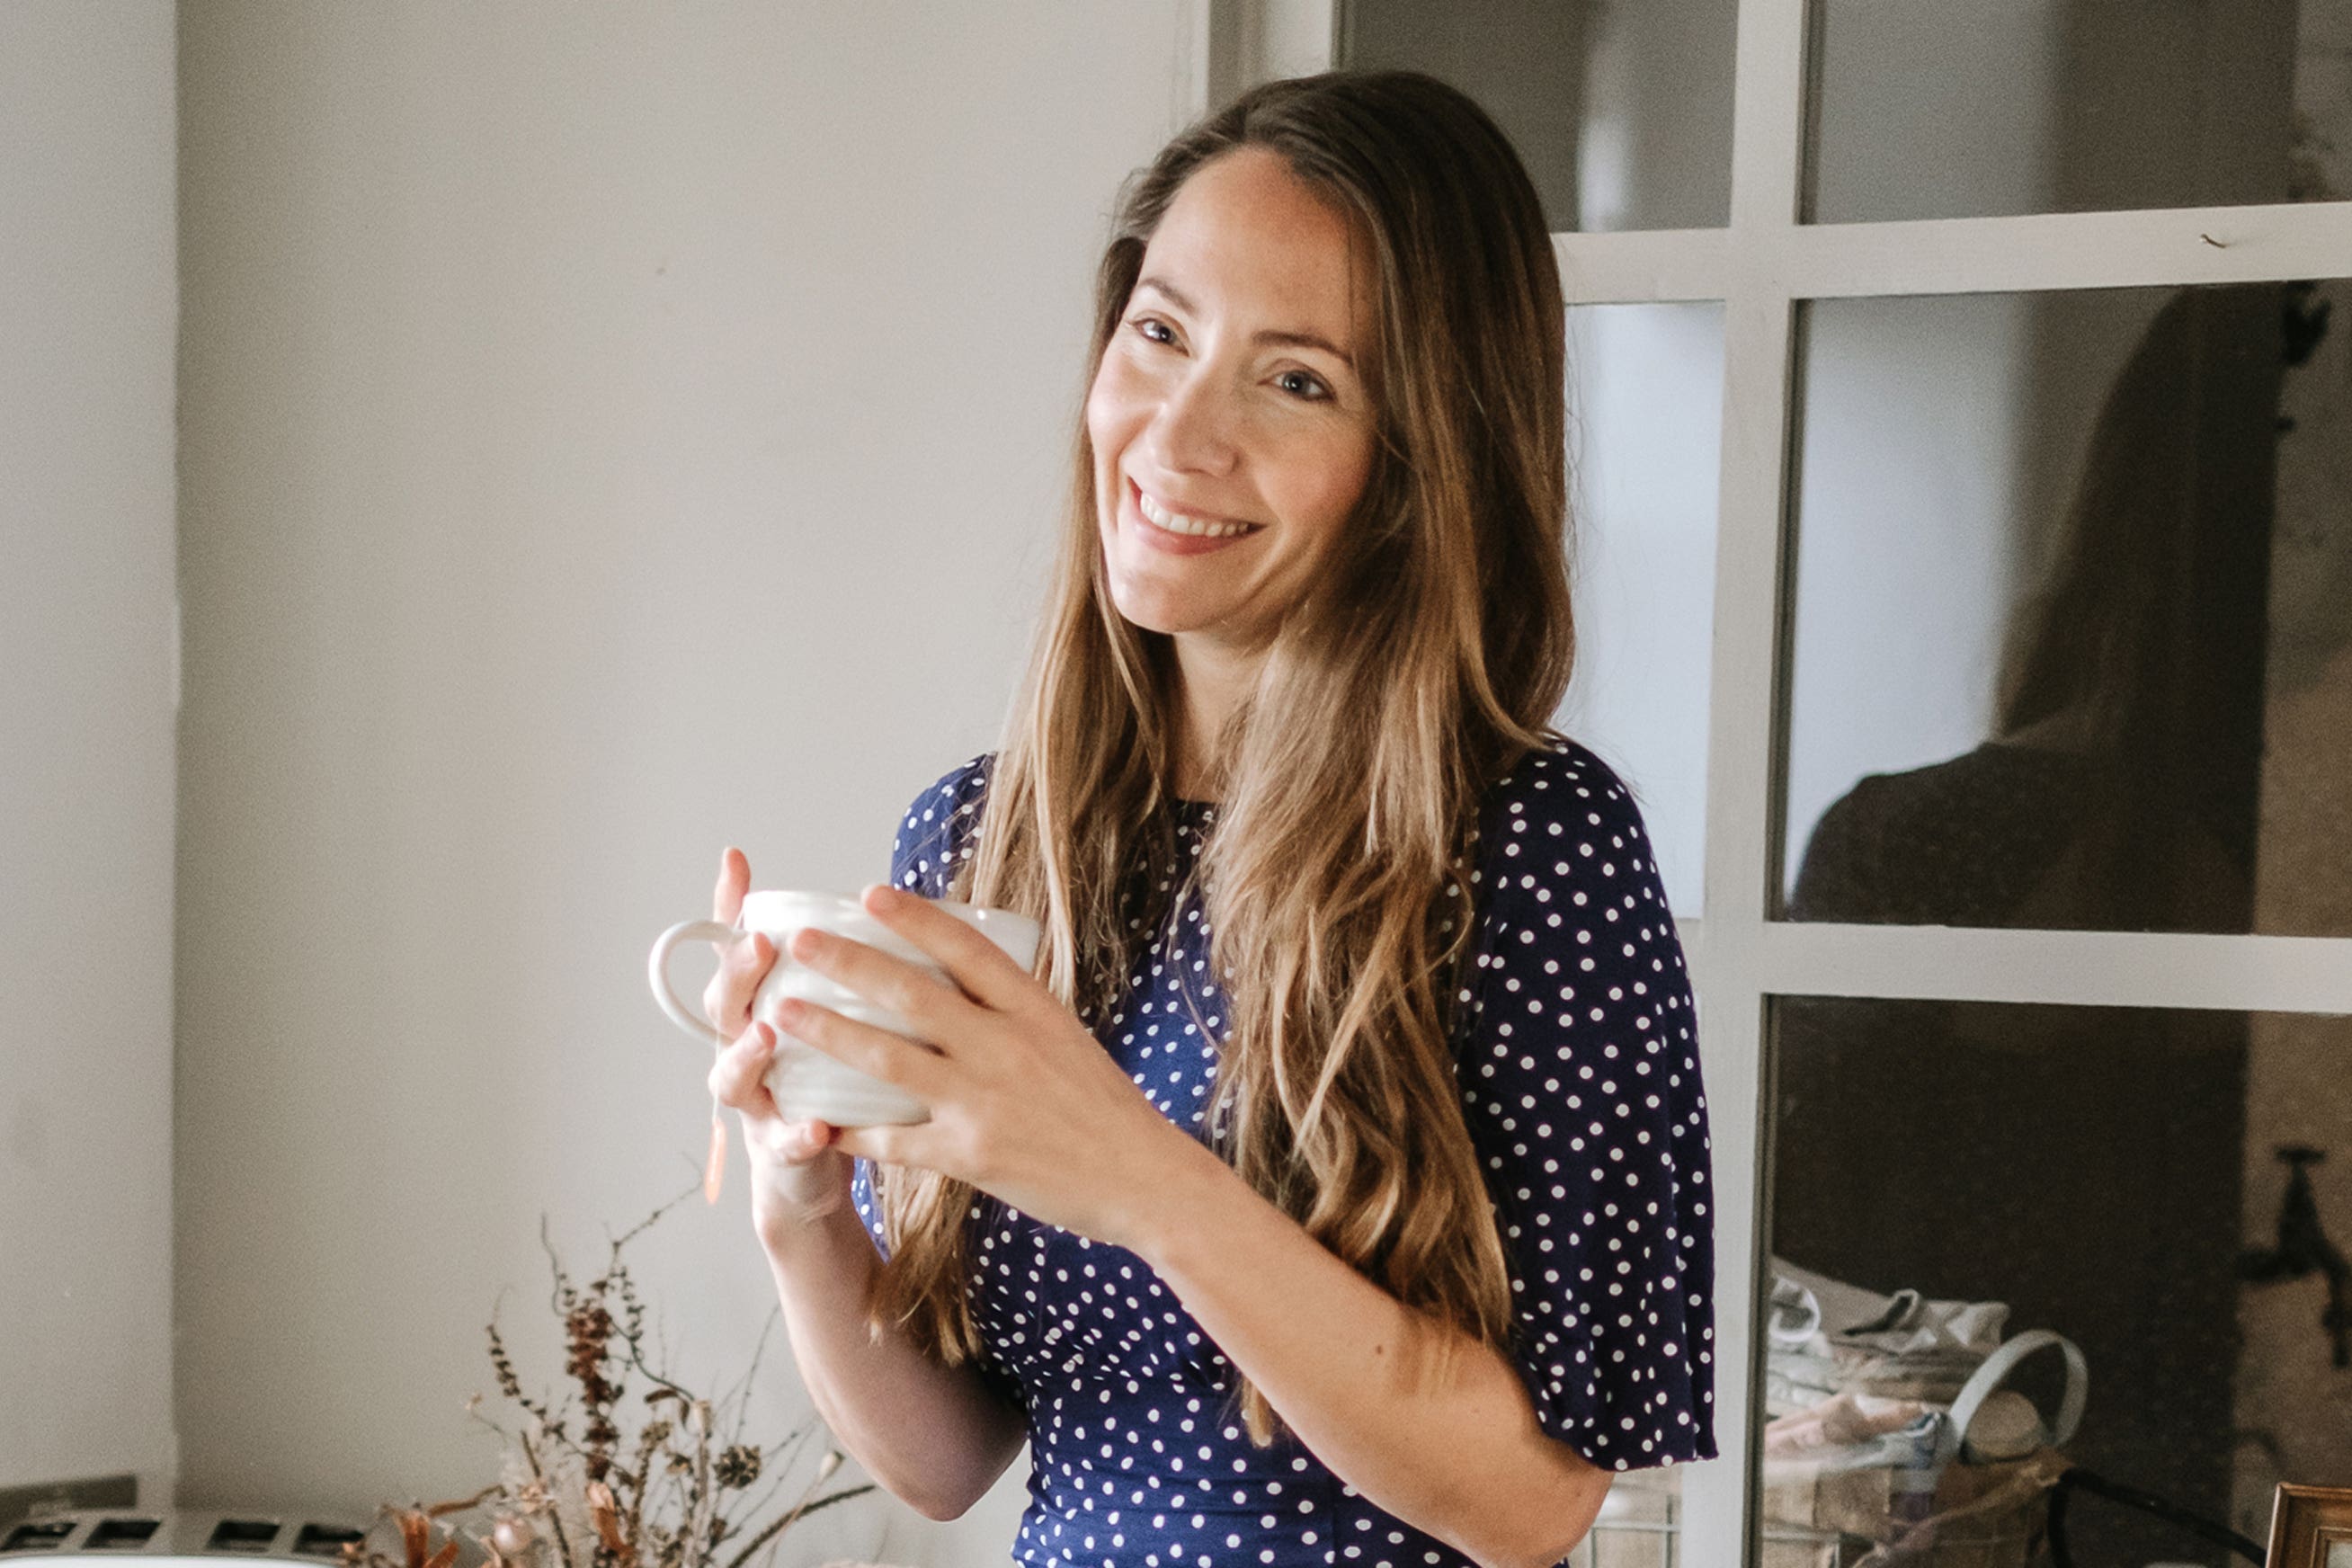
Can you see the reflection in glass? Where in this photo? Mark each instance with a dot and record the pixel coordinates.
(1925, 110)
(2171, 1190)
(2073, 639)
(1644, 402)
(1620, 112)
(1639, 1526)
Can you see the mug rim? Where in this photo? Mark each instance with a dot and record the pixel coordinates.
(995, 923)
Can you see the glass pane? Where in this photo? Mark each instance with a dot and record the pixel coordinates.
(2072, 641)
(1621, 112)
(1923, 108)
(2167, 1190)
(1640, 1523)
(1645, 398)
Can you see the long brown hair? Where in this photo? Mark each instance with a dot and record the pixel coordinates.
(1430, 660)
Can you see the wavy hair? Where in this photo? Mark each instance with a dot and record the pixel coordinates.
(1426, 662)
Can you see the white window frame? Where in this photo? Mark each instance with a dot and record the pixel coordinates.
(1761, 266)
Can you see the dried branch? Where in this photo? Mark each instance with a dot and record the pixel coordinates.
(788, 1521)
(563, 1551)
(660, 1480)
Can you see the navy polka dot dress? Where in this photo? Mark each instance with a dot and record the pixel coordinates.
(1579, 1065)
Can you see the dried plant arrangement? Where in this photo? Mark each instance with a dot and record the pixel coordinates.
(605, 1476)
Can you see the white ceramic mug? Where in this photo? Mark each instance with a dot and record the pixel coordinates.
(809, 1084)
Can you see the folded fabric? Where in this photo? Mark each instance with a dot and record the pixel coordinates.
(1851, 1431)
(1827, 1337)
(1902, 1323)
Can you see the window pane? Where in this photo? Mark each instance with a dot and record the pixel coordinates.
(1645, 396)
(2072, 641)
(1639, 1525)
(2146, 1182)
(1924, 108)
(1621, 112)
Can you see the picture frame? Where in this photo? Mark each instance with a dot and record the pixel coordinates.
(2311, 1527)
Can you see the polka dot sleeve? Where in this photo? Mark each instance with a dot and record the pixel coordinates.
(1579, 1063)
(934, 836)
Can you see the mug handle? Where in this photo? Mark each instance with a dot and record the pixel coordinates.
(657, 968)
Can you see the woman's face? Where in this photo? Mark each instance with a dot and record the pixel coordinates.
(1229, 396)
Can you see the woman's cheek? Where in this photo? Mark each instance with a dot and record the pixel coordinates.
(1346, 467)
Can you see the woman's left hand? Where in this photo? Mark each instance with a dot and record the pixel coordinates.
(1025, 1104)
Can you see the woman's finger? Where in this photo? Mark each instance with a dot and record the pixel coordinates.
(796, 1142)
(739, 1074)
(726, 1000)
(924, 1000)
(977, 966)
(912, 1065)
(734, 881)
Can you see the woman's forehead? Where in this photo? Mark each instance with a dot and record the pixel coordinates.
(1244, 236)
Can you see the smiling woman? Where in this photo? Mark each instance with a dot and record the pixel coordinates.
(1336, 1189)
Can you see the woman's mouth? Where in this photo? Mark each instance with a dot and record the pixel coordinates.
(1179, 534)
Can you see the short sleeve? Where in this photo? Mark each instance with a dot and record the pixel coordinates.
(1578, 1056)
(938, 832)
(934, 837)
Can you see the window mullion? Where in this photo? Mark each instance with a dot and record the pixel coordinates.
(1768, 137)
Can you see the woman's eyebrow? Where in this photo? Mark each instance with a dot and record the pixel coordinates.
(1290, 340)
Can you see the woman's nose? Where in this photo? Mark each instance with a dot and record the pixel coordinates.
(1192, 430)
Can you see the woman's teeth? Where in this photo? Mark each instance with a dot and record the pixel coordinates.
(1177, 523)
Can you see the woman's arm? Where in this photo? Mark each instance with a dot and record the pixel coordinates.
(1582, 1098)
(1464, 1461)
(938, 1437)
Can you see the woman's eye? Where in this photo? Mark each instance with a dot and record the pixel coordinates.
(1297, 382)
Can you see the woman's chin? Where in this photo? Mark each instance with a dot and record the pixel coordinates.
(1154, 618)
(1164, 613)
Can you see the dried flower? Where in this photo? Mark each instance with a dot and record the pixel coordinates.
(572, 1502)
(607, 1513)
(738, 1468)
(501, 1366)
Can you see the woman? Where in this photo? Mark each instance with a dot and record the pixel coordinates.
(1371, 1228)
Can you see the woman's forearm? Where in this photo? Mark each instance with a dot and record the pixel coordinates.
(1464, 1460)
(938, 1437)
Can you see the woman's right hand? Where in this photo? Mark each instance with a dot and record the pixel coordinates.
(797, 1176)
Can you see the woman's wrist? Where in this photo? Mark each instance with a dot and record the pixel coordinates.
(1184, 1185)
(789, 1223)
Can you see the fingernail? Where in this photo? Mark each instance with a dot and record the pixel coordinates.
(767, 1036)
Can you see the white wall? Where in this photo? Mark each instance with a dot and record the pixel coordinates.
(87, 304)
(613, 432)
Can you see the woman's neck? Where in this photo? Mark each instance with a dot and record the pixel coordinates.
(1212, 679)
